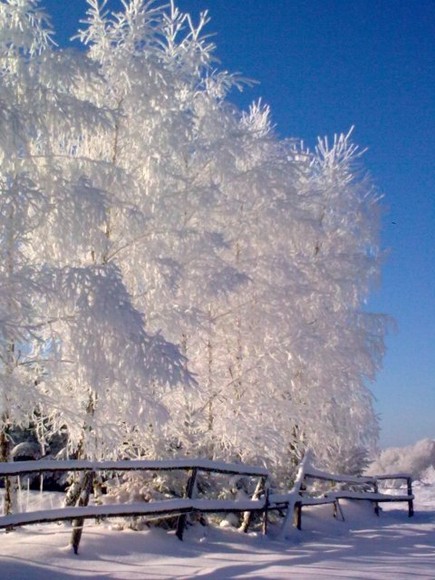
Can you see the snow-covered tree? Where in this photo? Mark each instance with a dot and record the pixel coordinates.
(169, 212)
(98, 367)
(22, 205)
(22, 208)
(254, 255)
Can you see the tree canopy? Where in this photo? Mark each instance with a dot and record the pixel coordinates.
(176, 279)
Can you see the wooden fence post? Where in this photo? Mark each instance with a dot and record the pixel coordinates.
(410, 502)
(266, 512)
(190, 489)
(375, 503)
(83, 500)
(297, 515)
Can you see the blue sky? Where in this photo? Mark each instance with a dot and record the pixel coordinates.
(323, 66)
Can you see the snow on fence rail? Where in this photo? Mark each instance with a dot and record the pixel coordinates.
(50, 465)
(169, 507)
(341, 487)
(290, 504)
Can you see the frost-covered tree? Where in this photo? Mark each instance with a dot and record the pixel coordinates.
(166, 209)
(22, 207)
(254, 255)
(22, 210)
(97, 367)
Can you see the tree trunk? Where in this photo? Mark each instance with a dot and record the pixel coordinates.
(10, 501)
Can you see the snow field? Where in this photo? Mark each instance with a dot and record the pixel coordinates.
(363, 546)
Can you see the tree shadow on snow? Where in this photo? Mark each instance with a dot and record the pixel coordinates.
(325, 547)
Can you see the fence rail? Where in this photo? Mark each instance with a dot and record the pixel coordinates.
(342, 487)
(180, 507)
(290, 504)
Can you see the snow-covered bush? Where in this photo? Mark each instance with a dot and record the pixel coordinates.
(416, 459)
(428, 475)
(133, 487)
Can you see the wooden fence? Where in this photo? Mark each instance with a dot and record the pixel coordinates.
(165, 508)
(290, 504)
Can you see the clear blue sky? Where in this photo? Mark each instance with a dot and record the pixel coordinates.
(323, 66)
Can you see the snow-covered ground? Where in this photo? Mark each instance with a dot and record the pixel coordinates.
(363, 546)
